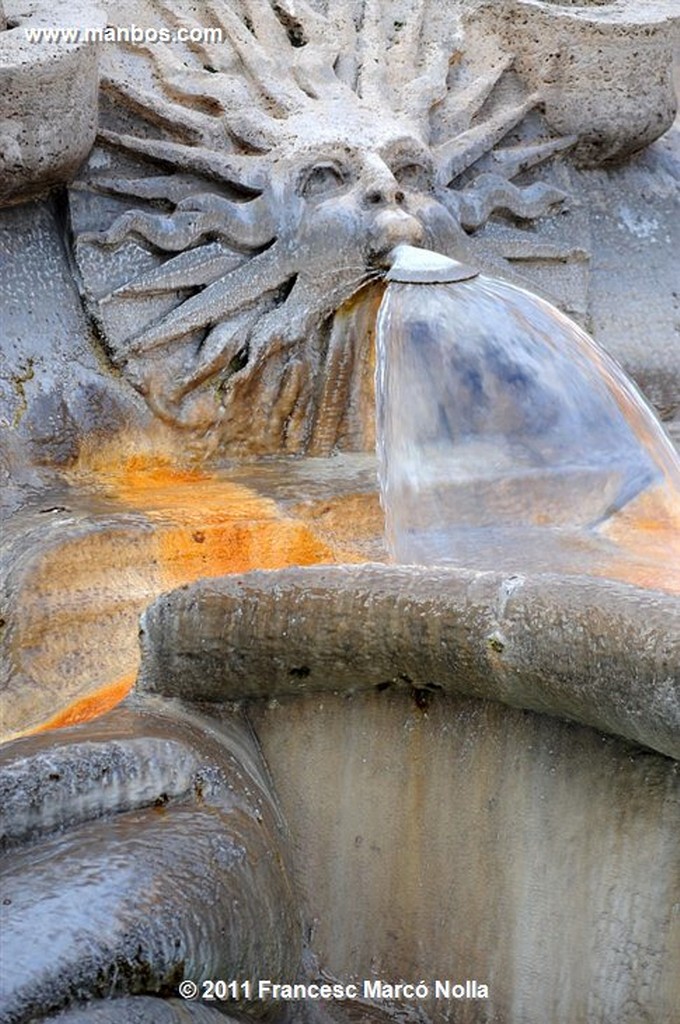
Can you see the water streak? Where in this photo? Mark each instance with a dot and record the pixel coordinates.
(507, 439)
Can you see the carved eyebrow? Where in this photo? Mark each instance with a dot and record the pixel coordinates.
(406, 150)
(328, 150)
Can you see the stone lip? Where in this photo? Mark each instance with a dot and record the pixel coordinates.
(601, 653)
(412, 265)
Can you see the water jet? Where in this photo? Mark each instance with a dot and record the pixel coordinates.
(508, 440)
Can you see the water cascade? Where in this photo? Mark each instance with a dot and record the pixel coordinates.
(507, 439)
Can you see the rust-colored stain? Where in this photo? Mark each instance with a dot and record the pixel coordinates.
(355, 521)
(648, 532)
(92, 588)
(88, 707)
(78, 638)
(209, 526)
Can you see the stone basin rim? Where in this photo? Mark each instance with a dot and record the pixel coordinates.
(602, 653)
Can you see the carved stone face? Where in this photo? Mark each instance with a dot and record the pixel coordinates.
(356, 192)
(224, 299)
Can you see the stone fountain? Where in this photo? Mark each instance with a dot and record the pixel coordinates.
(445, 792)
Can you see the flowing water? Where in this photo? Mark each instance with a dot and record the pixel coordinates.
(507, 439)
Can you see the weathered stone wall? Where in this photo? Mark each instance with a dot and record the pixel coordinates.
(465, 839)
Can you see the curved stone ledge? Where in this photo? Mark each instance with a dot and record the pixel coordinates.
(142, 1010)
(156, 881)
(597, 652)
(48, 99)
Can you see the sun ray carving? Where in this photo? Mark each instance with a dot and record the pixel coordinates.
(254, 186)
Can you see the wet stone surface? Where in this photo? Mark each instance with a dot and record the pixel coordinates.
(122, 810)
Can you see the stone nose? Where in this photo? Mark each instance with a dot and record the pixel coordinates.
(381, 187)
(394, 227)
(384, 196)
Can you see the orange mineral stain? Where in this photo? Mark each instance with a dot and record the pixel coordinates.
(78, 641)
(209, 526)
(647, 531)
(88, 707)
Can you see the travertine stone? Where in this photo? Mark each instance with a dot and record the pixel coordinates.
(48, 98)
(458, 838)
(143, 1010)
(634, 300)
(601, 653)
(169, 860)
(220, 249)
(54, 390)
(483, 806)
(604, 70)
(281, 219)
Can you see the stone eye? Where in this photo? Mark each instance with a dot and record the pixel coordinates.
(414, 177)
(322, 180)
